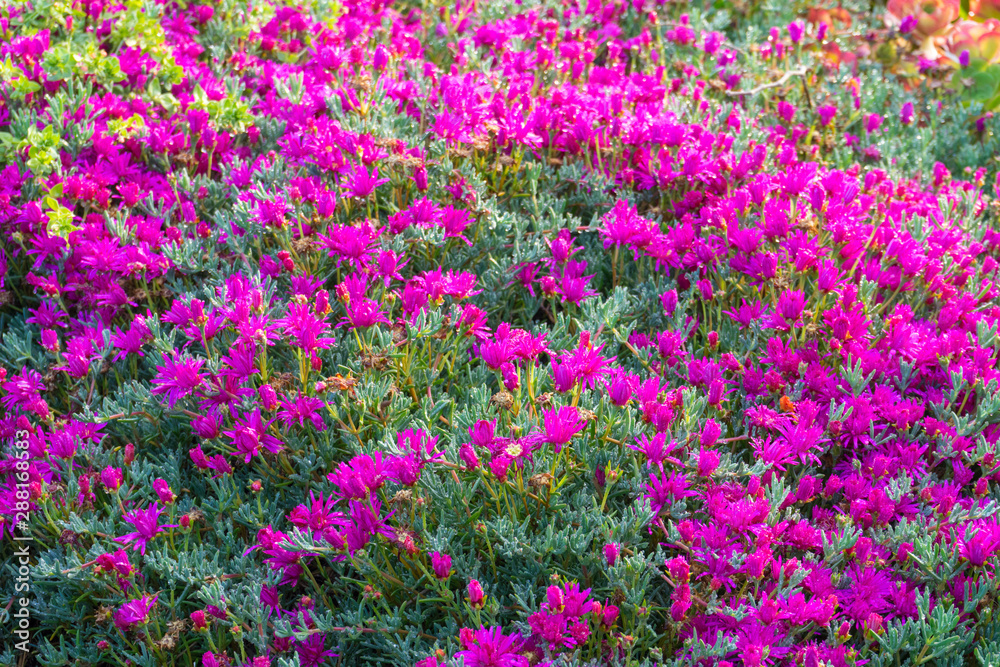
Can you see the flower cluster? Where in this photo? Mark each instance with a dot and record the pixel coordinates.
(544, 334)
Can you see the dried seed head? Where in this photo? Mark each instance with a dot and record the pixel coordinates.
(403, 497)
(69, 538)
(540, 481)
(378, 362)
(103, 614)
(340, 383)
(177, 627)
(503, 400)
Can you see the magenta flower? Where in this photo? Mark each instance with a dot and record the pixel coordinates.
(667, 489)
(146, 524)
(710, 433)
(304, 329)
(134, 612)
(872, 123)
(585, 363)
(24, 391)
(363, 313)
(826, 114)
(313, 652)
(475, 594)
(302, 409)
(271, 599)
(906, 113)
(361, 476)
(177, 378)
(441, 564)
(250, 434)
(624, 226)
(561, 424)
(163, 491)
(492, 648)
(116, 562)
(361, 184)
(354, 244)
(795, 31)
(112, 478)
(611, 551)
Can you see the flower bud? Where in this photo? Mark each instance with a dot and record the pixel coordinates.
(322, 304)
(873, 625)
(268, 397)
(50, 340)
(441, 564)
(199, 620)
(556, 599)
(679, 569)
(380, 59)
(469, 457)
(710, 433)
(686, 529)
(163, 491)
(111, 478)
(610, 615)
(129, 454)
(477, 600)
(669, 301)
(611, 551)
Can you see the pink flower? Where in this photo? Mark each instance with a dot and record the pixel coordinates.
(250, 434)
(441, 564)
(111, 478)
(163, 491)
(177, 378)
(146, 524)
(476, 596)
(116, 562)
(492, 648)
(134, 612)
(611, 551)
(561, 424)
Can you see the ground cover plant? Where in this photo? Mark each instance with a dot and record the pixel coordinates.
(499, 333)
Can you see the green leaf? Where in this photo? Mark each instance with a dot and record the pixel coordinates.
(985, 83)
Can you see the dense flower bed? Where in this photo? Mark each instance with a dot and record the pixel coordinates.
(497, 334)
